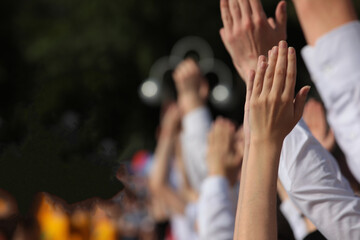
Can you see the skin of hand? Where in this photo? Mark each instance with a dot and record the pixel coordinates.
(191, 86)
(314, 116)
(222, 155)
(273, 110)
(272, 113)
(248, 33)
(320, 17)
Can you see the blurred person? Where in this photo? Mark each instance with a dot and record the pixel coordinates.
(190, 151)
(308, 172)
(168, 149)
(219, 191)
(192, 92)
(272, 111)
(332, 31)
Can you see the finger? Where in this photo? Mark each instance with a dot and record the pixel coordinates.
(257, 9)
(271, 22)
(280, 69)
(259, 77)
(290, 81)
(235, 11)
(249, 87)
(300, 102)
(269, 75)
(245, 9)
(281, 17)
(225, 14)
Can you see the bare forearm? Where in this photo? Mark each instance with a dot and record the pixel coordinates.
(256, 216)
(160, 170)
(321, 16)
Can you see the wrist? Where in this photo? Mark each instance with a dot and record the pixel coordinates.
(189, 101)
(244, 70)
(266, 141)
(216, 170)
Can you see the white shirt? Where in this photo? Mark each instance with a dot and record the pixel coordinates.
(294, 218)
(334, 65)
(196, 126)
(217, 209)
(313, 181)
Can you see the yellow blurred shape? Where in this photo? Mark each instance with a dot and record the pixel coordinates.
(53, 221)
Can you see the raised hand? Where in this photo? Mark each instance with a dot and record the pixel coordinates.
(222, 154)
(273, 110)
(191, 85)
(314, 116)
(248, 33)
(170, 124)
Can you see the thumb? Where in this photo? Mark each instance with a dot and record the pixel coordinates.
(299, 103)
(281, 18)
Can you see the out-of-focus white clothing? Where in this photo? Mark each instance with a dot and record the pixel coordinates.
(183, 226)
(294, 218)
(217, 209)
(196, 126)
(334, 65)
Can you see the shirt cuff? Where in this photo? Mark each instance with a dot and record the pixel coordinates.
(333, 62)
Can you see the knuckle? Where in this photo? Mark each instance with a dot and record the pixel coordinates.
(280, 72)
(291, 75)
(259, 21)
(253, 103)
(274, 98)
(248, 25)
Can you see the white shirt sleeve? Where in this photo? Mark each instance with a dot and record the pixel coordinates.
(216, 218)
(316, 186)
(294, 218)
(334, 65)
(196, 126)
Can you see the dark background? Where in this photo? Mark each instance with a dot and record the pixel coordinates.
(69, 78)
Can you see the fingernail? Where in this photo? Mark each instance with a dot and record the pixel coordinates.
(291, 50)
(307, 89)
(274, 50)
(283, 44)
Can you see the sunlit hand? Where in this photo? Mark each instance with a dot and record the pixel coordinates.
(273, 110)
(314, 116)
(248, 33)
(191, 86)
(221, 152)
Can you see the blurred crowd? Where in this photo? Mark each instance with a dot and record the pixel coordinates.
(290, 170)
